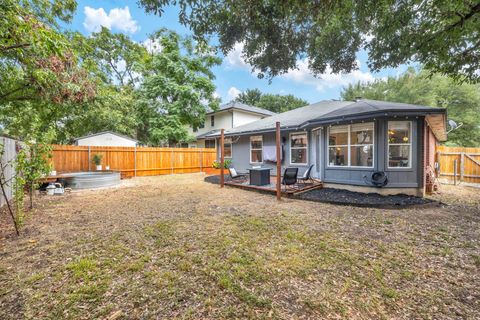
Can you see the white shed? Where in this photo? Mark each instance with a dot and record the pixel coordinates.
(106, 139)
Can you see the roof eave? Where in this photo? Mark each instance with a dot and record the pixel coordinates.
(368, 115)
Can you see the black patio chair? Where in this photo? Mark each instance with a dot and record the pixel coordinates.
(235, 176)
(290, 177)
(307, 176)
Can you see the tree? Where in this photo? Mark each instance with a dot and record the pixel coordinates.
(117, 56)
(36, 63)
(461, 100)
(443, 35)
(176, 90)
(273, 102)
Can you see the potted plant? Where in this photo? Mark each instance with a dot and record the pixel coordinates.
(97, 159)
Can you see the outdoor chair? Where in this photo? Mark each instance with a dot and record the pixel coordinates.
(307, 176)
(290, 177)
(235, 176)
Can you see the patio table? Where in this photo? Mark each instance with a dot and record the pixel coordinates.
(260, 176)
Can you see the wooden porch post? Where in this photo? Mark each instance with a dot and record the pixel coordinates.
(279, 162)
(222, 158)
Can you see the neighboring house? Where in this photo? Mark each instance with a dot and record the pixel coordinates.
(347, 141)
(228, 116)
(106, 139)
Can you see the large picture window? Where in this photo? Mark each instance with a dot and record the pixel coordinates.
(256, 148)
(227, 147)
(298, 148)
(399, 144)
(351, 145)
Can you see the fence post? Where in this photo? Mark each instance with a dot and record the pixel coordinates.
(135, 161)
(462, 165)
(173, 161)
(455, 172)
(89, 159)
(201, 160)
(222, 157)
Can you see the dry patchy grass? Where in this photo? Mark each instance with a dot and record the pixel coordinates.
(176, 247)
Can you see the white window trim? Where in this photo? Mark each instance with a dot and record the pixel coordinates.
(231, 148)
(306, 148)
(349, 145)
(410, 159)
(261, 149)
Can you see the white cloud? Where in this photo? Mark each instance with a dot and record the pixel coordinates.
(117, 18)
(303, 74)
(234, 58)
(326, 80)
(152, 46)
(232, 93)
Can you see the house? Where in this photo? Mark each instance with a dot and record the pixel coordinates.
(347, 141)
(106, 138)
(228, 116)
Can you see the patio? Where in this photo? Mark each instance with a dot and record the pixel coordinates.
(298, 188)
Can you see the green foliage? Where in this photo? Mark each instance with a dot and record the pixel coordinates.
(63, 82)
(118, 57)
(443, 35)
(176, 90)
(273, 102)
(461, 100)
(36, 62)
(226, 164)
(97, 159)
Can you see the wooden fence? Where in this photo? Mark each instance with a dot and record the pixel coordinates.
(134, 161)
(467, 162)
(8, 157)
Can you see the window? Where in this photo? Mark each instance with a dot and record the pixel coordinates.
(227, 147)
(298, 148)
(351, 145)
(399, 144)
(361, 145)
(212, 121)
(210, 144)
(256, 146)
(202, 125)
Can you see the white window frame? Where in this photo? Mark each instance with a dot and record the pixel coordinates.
(349, 145)
(261, 149)
(228, 141)
(410, 144)
(295, 148)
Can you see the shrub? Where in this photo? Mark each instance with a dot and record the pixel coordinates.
(226, 164)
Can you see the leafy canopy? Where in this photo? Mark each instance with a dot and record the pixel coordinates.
(443, 35)
(273, 102)
(177, 89)
(461, 100)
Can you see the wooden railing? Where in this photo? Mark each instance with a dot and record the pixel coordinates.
(459, 164)
(133, 161)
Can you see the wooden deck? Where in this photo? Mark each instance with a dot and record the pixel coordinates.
(271, 188)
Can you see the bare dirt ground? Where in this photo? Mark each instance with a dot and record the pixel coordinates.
(177, 247)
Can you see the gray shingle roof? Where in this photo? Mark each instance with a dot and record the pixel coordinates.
(331, 111)
(103, 132)
(244, 107)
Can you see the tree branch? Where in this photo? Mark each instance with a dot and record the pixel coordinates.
(15, 46)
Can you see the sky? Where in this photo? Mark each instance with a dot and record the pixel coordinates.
(233, 76)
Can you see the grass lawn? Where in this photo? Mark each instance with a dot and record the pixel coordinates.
(176, 247)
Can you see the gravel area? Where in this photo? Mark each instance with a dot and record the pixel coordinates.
(358, 199)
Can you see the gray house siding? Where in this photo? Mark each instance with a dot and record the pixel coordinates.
(318, 156)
